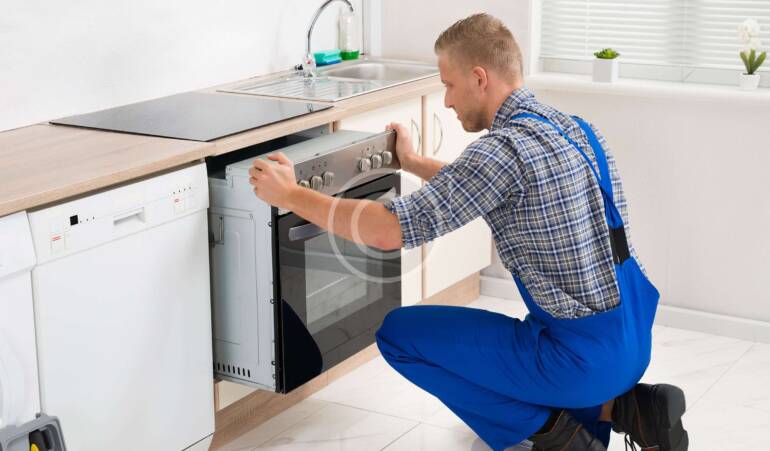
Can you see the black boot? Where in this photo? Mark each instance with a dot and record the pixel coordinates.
(567, 434)
(651, 415)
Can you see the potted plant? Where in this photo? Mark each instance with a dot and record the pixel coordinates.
(748, 32)
(606, 65)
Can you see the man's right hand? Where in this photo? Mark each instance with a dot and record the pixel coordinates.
(404, 148)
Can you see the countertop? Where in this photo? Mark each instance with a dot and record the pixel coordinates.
(44, 163)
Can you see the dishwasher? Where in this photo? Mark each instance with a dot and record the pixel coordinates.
(123, 315)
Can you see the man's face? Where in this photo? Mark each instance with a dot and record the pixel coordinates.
(463, 93)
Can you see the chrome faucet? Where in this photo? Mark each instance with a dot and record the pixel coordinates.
(308, 65)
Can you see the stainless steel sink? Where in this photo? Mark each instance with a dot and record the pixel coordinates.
(390, 71)
(338, 82)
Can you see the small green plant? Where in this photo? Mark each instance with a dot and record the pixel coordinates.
(752, 61)
(606, 54)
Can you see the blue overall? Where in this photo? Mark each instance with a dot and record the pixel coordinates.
(503, 376)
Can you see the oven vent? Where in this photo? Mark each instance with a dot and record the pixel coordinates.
(231, 370)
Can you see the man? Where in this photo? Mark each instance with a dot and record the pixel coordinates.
(551, 195)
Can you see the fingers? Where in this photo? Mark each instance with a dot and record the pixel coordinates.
(399, 128)
(279, 157)
(255, 175)
(261, 165)
(255, 172)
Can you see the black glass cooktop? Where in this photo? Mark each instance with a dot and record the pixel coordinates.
(193, 116)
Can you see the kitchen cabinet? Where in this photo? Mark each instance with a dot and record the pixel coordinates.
(408, 113)
(466, 250)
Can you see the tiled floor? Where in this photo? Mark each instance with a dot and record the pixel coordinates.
(726, 381)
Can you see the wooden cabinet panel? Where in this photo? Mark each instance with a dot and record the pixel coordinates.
(464, 251)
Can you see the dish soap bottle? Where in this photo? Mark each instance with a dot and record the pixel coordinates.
(348, 35)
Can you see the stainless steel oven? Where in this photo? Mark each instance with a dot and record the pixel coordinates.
(291, 300)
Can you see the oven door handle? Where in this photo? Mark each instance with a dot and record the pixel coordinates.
(305, 232)
(387, 196)
(310, 230)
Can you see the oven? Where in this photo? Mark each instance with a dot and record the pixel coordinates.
(334, 293)
(291, 300)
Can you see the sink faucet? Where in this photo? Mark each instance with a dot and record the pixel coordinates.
(308, 65)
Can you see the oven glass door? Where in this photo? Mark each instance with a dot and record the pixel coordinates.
(334, 294)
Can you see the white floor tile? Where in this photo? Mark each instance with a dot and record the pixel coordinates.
(275, 425)
(429, 438)
(691, 360)
(340, 428)
(425, 437)
(747, 382)
(385, 391)
(446, 419)
(716, 426)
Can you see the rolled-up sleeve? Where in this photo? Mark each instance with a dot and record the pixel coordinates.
(485, 175)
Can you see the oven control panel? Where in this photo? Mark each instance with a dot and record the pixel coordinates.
(344, 159)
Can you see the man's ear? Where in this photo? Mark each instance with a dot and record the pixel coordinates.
(481, 77)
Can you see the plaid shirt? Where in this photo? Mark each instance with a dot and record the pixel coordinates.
(541, 201)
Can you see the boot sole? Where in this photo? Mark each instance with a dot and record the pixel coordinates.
(671, 405)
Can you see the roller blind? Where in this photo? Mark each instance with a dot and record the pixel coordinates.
(687, 34)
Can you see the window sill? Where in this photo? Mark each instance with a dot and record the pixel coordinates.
(553, 81)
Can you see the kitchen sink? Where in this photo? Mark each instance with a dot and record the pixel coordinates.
(338, 82)
(391, 71)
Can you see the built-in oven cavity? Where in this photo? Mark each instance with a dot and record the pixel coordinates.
(216, 165)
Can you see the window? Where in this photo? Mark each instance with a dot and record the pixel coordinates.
(676, 40)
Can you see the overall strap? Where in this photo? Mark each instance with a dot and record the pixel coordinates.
(618, 241)
(603, 176)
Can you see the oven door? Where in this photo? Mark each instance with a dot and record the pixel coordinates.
(334, 294)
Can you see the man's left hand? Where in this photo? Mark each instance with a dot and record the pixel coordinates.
(274, 182)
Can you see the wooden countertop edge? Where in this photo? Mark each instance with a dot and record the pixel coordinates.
(339, 110)
(43, 198)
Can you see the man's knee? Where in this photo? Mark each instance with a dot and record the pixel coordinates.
(389, 324)
(393, 331)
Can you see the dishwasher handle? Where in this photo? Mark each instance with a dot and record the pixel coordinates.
(123, 218)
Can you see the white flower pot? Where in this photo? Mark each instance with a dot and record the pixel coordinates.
(605, 71)
(749, 82)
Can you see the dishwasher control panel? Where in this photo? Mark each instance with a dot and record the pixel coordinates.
(95, 219)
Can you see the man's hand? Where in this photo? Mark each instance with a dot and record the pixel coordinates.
(404, 148)
(274, 183)
(423, 167)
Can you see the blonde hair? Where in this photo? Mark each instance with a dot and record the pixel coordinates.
(483, 40)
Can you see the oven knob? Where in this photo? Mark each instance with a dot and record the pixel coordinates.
(376, 161)
(364, 164)
(387, 158)
(303, 183)
(328, 178)
(316, 182)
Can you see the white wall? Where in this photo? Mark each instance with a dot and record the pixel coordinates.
(410, 28)
(63, 58)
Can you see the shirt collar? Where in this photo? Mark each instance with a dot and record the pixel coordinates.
(510, 106)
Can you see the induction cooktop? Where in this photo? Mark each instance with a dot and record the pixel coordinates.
(193, 116)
